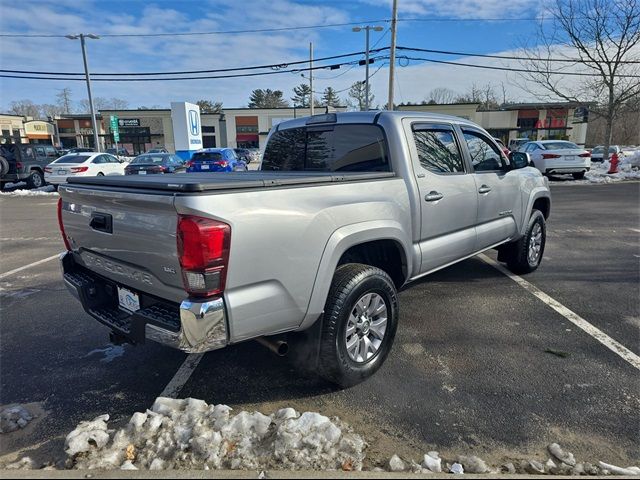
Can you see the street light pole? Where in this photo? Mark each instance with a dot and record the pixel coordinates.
(94, 123)
(366, 74)
(392, 58)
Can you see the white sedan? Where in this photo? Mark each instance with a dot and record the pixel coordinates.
(558, 156)
(84, 164)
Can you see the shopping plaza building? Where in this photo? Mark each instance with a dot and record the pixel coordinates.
(143, 129)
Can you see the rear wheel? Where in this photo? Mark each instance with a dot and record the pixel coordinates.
(100, 174)
(578, 176)
(35, 180)
(4, 166)
(359, 324)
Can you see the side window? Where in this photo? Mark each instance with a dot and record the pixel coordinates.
(40, 151)
(112, 159)
(99, 159)
(438, 151)
(51, 152)
(484, 155)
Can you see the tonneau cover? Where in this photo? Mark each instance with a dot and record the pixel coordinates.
(204, 182)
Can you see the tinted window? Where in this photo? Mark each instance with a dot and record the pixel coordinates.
(484, 154)
(51, 152)
(40, 151)
(347, 148)
(560, 146)
(150, 159)
(438, 151)
(111, 159)
(73, 159)
(199, 156)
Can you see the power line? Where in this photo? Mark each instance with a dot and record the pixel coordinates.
(189, 34)
(510, 69)
(192, 72)
(507, 57)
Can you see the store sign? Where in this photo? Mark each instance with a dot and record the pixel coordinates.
(187, 131)
(129, 122)
(37, 127)
(115, 128)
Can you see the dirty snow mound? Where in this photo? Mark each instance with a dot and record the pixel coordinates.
(37, 192)
(190, 434)
(14, 418)
(598, 172)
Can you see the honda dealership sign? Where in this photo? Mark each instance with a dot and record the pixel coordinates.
(187, 130)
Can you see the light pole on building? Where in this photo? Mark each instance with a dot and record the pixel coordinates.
(94, 123)
(366, 74)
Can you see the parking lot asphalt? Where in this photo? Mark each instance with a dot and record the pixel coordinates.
(479, 366)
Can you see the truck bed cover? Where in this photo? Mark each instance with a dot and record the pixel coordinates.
(214, 181)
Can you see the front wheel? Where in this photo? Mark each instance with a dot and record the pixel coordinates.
(359, 324)
(525, 255)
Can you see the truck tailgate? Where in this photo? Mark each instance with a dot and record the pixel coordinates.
(128, 237)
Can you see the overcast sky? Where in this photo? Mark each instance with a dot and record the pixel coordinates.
(462, 25)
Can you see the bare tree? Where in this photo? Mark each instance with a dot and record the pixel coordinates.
(597, 37)
(485, 95)
(63, 100)
(357, 94)
(441, 95)
(25, 108)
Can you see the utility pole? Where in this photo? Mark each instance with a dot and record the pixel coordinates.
(392, 58)
(311, 78)
(94, 122)
(366, 74)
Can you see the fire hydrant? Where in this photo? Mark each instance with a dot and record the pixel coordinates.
(615, 161)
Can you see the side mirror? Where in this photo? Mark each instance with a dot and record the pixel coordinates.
(519, 160)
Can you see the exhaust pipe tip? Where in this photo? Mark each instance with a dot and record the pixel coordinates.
(279, 347)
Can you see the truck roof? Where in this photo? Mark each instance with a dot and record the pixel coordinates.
(371, 116)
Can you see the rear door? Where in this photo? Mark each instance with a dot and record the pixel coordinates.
(499, 197)
(448, 198)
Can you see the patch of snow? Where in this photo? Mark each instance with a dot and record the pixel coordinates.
(598, 172)
(36, 192)
(612, 469)
(559, 454)
(457, 469)
(25, 463)
(15, 185)
(432, 462)
(14, 418)
(396, 464)
(110, 352)
(473, 464)
(190, 434)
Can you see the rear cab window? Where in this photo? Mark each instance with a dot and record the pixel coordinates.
(328, 148)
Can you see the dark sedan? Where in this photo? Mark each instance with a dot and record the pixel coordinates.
(150, 163)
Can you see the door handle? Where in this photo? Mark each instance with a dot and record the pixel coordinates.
(433, 196)
(484, 189)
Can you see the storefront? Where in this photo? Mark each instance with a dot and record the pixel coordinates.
(38, 131)
(12, 129)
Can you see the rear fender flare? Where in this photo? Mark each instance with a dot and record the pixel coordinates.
(339, 242)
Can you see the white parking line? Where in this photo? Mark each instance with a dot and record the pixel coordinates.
(34, 264)
(573, 317)
(637, 230)
(182, 375)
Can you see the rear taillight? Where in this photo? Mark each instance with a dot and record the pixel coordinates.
(61, 225)
(203, 250)
(18, 165)
(189, 164)
(47, 169)
(221, 164)
(550, 155)
(585, 155)
(79, 169)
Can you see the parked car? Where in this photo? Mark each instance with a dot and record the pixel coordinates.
(255, 154)
(558, 156)
(25, 162)
(516, 143)
(86, 164)
(150, 163)
(158, 150)
(597, 154)
(502, 146)
(349, 208)
(81, 150)
(243, 154)
(216, 160)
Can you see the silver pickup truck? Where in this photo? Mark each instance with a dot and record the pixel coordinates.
(347, 208)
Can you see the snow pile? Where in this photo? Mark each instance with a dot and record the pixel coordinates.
(190, 434)
(626, 171)
(36, 192)
(14, 418)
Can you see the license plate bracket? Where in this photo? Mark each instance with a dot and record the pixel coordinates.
(128, 300)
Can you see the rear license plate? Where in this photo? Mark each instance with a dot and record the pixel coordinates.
(128, 300)
(142, 172)
(62, 172)
(569, 158)
(204, 167)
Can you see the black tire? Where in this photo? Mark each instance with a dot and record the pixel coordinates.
(350, 283)
(36, 179)
(516, 254)
(578, 176)
(4, 166)
(55, 186)
(100, 174)
(2, 184)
